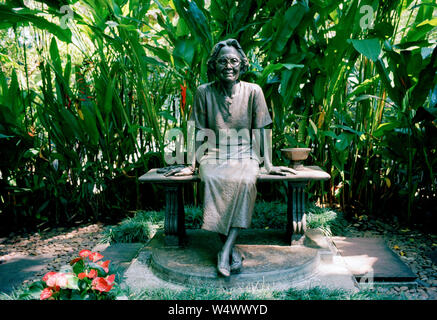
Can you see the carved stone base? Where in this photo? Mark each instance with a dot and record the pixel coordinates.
(174, 225)
(296, 217)
(269, 260)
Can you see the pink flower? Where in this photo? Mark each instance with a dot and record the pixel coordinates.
(101, 284)
(54, 280)
(61, 280)
(95, 256)
(45, 294)
(48, 275)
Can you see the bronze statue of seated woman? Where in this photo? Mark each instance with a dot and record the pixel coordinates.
(229, 169)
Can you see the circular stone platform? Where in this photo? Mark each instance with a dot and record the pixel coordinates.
(268, 259)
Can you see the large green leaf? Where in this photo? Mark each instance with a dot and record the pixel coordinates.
(426, 81)
(293, 16)
(195, 20)
(183, 51)
(384, 127)
(23, 16)
(370, 48)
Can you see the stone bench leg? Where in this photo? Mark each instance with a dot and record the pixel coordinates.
(296, 217)
(174, 223)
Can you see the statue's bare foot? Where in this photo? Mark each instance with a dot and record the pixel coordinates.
(237, 261)
(223, 264)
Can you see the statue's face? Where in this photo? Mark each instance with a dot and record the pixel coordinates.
(228, 64)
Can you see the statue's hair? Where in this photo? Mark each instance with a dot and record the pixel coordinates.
(211, 63)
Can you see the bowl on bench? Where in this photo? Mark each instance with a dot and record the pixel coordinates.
(297, 156)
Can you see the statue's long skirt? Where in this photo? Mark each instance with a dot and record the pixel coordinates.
(230, 192)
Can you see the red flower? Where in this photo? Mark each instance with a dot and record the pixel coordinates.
(183, 96)
(101, 284)
(31, 132)
(110, 279)
(75, 260)
(45, 294)
(84, 253)
(92, 274)
(95, 256)
(104, 265)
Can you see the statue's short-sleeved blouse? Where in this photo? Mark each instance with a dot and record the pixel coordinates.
(230, 183)
(247, 108)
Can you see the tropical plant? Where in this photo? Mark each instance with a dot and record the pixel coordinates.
(88, 279)
(89, 89)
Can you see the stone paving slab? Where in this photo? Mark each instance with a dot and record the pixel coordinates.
(372, 257)
(21, 268)
(120, 254)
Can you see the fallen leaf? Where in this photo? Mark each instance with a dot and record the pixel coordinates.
(396, 247)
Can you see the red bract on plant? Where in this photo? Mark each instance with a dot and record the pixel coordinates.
(104, 265)
(84, 253)
(89, 280)
(183, 96)
(95, 256)
(103, 284)
(91, 275)
(46, 293)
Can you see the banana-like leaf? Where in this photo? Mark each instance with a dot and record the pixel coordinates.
(195, 20)
(368, 47)
(293, 16)
(23, 16)
(426, 81)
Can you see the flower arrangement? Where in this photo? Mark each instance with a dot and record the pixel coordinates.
(89, 280)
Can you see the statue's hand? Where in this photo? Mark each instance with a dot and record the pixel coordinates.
(281, 171)
(177, 172)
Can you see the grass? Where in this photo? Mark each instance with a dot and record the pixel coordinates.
(139, 228)
(248, 293)
(211, 293)
(144, 224)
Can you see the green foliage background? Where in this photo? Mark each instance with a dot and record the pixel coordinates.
(86, 102)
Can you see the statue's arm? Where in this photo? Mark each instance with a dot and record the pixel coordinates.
(266, 153)
(265, 138)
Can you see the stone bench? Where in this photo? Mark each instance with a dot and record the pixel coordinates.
(174, 223)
